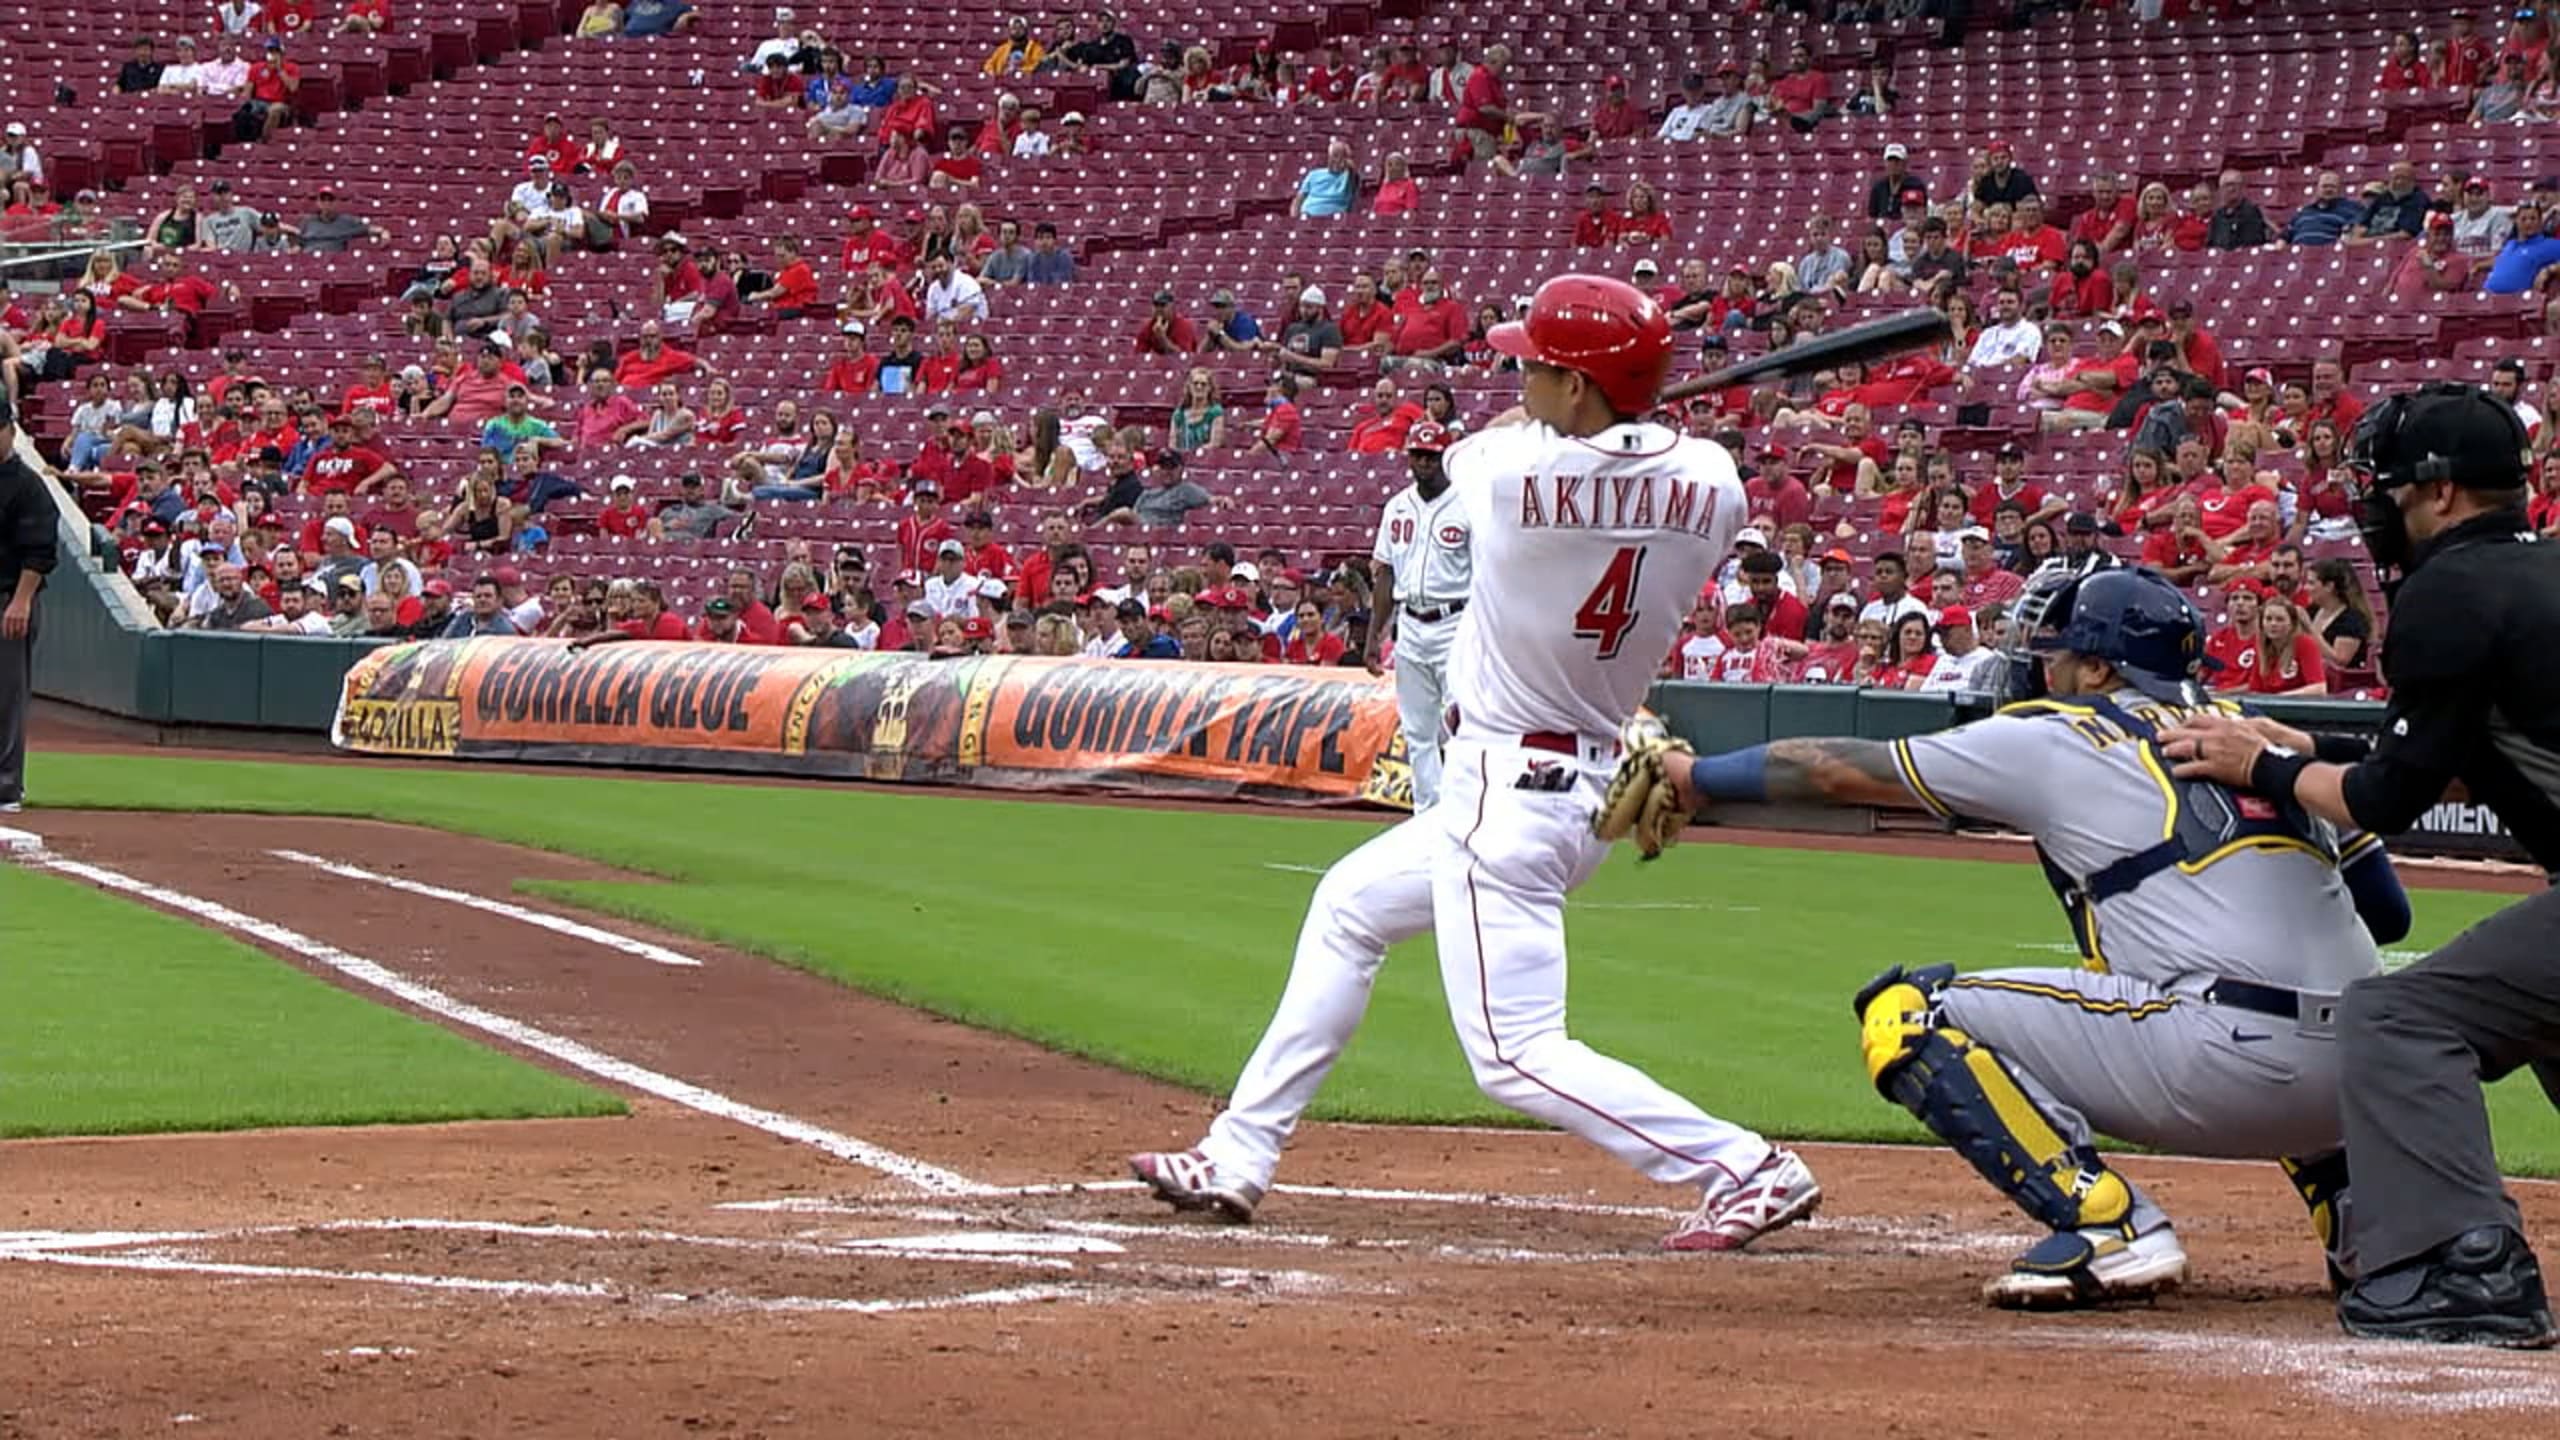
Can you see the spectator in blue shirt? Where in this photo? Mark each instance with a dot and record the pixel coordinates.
(1329, 188)
(2529, 252)
(2329, 215)
(2394, 210)
(1231, 328)
(876, 88)
(657, 17)
(1050, 263)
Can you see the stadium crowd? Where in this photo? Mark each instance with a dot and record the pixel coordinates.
(291, 504)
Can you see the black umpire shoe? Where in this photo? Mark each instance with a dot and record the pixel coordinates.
(2481, 1288)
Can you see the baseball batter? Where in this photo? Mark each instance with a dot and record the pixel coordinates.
(1422, 564)
(2216, 932)
(1593, 529)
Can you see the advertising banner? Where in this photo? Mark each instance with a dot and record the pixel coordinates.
(1282, 733)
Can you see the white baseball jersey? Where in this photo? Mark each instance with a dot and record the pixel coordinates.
(1593, 549)
(1425, 541)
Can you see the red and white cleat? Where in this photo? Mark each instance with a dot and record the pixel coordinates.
(1185, 1180)
(1778, 1194)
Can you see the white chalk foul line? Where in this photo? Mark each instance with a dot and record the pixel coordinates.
(558, 924)
(932, 1179)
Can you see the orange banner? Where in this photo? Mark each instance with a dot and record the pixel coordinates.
(1269, 732)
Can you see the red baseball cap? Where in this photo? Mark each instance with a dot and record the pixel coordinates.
(977, 628)
(507, 575)
(1838, 554)
(863, 212)
(1427, 435)
(1954, 616)
(438, 587)
(1996, 147)
(1774, 452)
(816, 601)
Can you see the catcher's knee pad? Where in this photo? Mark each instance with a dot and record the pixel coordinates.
(1961, 1091)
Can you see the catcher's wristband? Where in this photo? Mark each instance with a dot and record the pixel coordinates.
(2275, 770)
(1738, 775)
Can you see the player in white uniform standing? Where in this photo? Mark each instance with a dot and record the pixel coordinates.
(1422, 567)
(1592, 530)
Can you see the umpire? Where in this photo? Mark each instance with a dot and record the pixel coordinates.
(2439, 1244)
(26, 558)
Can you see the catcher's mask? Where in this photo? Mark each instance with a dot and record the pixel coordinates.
(2442, 430)
(2132, 618)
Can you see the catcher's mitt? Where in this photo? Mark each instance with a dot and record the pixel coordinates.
(1640, 805)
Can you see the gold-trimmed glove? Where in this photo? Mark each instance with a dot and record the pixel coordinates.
(1640, 804)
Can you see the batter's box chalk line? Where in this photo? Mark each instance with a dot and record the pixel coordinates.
(2365, 1375)
(1087, 1269)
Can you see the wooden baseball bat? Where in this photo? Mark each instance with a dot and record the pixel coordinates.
(1864, 343)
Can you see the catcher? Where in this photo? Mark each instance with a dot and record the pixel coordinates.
(2215, 930)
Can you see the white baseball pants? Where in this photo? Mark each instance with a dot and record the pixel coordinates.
(1488, 870)
(1422, 698)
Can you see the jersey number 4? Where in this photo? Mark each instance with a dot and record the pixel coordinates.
(1609, 611)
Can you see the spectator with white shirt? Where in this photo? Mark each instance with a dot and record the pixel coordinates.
(1961, 654)
(784, 44)
(951, 592)
(1688, 117)
(1893, 600)
(953, 295)
(238, 17)
(2010, 340)
(1030, 142)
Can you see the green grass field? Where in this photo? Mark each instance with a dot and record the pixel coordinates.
(122, 1019)
(1157, 941)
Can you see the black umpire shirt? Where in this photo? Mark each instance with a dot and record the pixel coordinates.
(2474, 695)
(26, 524)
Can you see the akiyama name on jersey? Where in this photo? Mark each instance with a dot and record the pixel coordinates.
(1658, 501)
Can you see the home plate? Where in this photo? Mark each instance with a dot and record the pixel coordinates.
(986, 1242)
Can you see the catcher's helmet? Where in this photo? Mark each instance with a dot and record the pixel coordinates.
(2132, 618)
(1606, 329)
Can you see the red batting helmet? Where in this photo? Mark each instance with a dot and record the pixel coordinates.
(1606, 329)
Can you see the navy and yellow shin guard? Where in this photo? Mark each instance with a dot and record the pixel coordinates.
(1960, 1089)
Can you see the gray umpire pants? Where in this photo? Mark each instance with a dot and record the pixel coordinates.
(17, 690)
(2419, 1044)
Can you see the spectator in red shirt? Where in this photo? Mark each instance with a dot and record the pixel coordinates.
(1430, 335)
(345, 464)
(911, 113)
(1642, 222)
(2081, 286)
(1166, 331)
(287, 17)
(2245, 552)
(1397, 193)
(1484, 108)
(1984, 582)
(2231, 650)
(2330, 399)
(1382, 430)
(2180, 549)
(2403, 68)
(794, 291)
(622, 517)
(1803, 94)
(556, 145)
(2034, 245)
(1857, 463)
(272, 83)
(1595, 223)
(1282, 430)
(869, 245)
(653, 361)
(1617, 117)
(2463, 61)
(1365, 322)
(2009, 482)
(923, 528)
(2289, 659)
(958, 167)
(854, 371)
(2197, 347)
(365, 17)
(1775, 493)
(2108, 222)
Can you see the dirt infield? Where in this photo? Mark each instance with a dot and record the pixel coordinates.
(688, 1272)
